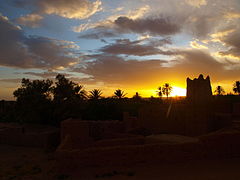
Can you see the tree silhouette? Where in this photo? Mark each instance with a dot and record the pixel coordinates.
(33, 101)
(159, 91)
(33, 90)
(67, 90)
(95, 94)
(68, 99)
(119, 94)
(219, 90)
(166, 89)
(236, 87)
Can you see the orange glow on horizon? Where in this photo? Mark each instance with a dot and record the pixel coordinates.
(178, 91)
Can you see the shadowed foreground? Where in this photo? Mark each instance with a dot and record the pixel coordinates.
(35, 164)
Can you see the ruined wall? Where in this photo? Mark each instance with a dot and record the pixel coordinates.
(90, 130)
(183, 119)
(153, 117)
(29, 135)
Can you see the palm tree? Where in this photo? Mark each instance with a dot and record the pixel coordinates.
(236, 87)
(166, 89)
(219, 90)
(80, 92)
(95, 94)
(119, 94)
(159, 91)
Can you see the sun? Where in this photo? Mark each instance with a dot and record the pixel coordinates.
(177, 91)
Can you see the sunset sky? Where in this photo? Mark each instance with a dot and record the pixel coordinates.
(134, 45)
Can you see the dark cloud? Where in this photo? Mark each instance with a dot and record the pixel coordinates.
(200, 25)
(154, 26)
(194, 62)
(233, 42)
(175, 17)
(125, 46)
(188, 63)
(13, 53)
(50, 52)
(113, 69)
(47, 74)
(19, 50)
(197, 61)
(198, 22)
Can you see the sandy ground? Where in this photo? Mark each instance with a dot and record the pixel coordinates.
(21, 163)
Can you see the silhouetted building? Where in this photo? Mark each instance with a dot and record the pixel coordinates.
(199, 89)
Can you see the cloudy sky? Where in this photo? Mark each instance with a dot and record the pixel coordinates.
(134, 45)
